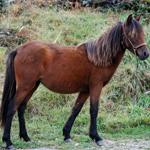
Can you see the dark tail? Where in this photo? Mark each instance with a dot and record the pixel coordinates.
(9, 86)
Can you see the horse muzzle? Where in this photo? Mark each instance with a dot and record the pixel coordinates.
(144, 54)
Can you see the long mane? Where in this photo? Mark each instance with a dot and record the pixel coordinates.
(102, 51)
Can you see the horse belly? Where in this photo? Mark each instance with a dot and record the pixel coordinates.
(69, 79)
(64, 85)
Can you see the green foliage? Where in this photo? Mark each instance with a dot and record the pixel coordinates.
(137, 7)
(2, 56)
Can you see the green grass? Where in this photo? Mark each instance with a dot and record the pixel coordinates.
(123, 110)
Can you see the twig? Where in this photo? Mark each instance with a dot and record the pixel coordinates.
(21, 29)
(139, 83)
(148, 92)
(57, 37)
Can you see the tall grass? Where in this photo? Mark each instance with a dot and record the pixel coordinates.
(123, 110)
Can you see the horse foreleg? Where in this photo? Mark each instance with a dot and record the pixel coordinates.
(94, 102)
(21, 110)
(82, 97)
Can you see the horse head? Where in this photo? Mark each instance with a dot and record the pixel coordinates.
(133, 38)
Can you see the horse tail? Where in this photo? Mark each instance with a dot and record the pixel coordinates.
(9, 86)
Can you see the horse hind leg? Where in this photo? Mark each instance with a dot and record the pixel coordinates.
(82, 97)
(21, 94)
(6, 135)
(21, 110)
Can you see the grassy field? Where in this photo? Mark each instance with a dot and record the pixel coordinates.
(124, 112)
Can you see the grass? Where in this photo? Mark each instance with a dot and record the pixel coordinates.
(123, 110)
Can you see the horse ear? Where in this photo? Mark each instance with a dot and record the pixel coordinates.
(129, 20)
(138, 18)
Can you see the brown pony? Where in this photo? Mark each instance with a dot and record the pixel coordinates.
(86, 69)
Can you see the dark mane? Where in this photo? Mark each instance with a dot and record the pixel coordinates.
(102, 51)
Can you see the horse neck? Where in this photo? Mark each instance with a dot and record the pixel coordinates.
(117, 59)
(103, 51)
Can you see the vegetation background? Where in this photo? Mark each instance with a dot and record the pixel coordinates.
(124, 112)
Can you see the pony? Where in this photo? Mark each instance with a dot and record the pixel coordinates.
(83, 69)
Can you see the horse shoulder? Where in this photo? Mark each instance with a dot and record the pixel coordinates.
(101, 75)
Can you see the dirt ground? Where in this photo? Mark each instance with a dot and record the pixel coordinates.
(130, 144)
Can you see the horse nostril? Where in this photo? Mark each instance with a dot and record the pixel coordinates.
(145, 53)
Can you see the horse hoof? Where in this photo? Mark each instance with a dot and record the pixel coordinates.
(10, 147)
(68, 140)
(100, 143)
(27, 139)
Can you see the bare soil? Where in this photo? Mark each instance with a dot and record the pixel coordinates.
(127, 144)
